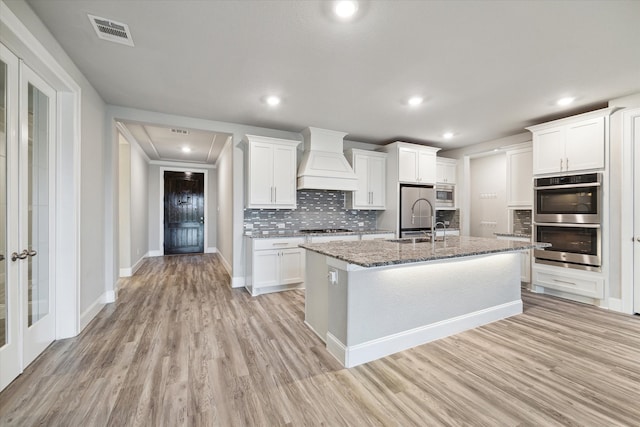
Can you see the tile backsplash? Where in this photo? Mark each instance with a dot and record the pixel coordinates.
(452, 216)
(522, 221)
(316, 209)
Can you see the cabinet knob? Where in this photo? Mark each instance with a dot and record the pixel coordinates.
(638, 238)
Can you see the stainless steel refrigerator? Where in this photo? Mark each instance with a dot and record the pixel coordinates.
(417, 209)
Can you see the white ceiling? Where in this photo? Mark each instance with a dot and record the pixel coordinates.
(486, 69)
(166, 144)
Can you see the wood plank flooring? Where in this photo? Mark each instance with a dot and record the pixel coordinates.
(180, 347)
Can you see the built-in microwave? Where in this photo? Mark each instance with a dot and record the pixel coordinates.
(445, 196)
(574, 199)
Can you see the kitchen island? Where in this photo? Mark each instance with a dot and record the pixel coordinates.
(369, 299)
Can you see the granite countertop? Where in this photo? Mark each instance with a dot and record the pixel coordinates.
(264, 234)
(518, 235)
(376, 253)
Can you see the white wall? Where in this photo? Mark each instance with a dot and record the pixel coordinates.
(224, 219)
(124, 203)
(139, 206)
(488, 189)
(84, 245)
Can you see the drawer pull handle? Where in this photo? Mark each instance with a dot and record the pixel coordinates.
(565, 281)
(280, 244)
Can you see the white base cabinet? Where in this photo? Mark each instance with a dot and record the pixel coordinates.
(377, 236)
(274, 265)
(568, 281)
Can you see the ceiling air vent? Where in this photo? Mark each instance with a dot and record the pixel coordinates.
(112, 31)
(180, 131)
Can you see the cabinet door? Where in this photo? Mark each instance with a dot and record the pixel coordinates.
(407, 165)
(426, 167)
(266, 268)
(291, 266)
(520, 182)
(585, 145)
(284, 176)
(361, 197)
(261, 174)
(377, 182)
(548, 151)
(445, 172)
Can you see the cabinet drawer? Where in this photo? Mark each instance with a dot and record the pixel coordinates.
(280, 243)
(378, 236)
(578, 284)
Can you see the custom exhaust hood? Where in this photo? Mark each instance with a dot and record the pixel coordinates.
(323, 165)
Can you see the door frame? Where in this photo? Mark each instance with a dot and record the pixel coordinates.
(630, 297)
(67, 211)
(164, 169)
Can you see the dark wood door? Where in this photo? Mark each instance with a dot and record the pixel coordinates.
(183, 213)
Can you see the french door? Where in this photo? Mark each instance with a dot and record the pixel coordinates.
(27, 135)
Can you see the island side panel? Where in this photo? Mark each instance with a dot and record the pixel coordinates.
(316, 293)
(398, 307)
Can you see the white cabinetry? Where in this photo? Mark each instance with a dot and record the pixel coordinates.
(371, 169)
(416, 164)
(274, 264)
(271, 173)
(574, 282)
(446, 170)
(571, 144)
(520, 177)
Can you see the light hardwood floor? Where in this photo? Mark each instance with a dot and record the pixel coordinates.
(181, 348)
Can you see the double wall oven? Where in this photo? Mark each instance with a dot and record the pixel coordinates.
(568, 214)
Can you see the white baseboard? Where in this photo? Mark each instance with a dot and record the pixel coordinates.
(615, 304)
(355, 355)
(155, 253)
(110, 296)
(92, 311)
(130, 271)
(211, 250)
(237, 282)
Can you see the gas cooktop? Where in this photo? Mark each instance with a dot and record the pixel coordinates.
(325, 230)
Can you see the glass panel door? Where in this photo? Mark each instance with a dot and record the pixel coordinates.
(10, 322)
(37, 121)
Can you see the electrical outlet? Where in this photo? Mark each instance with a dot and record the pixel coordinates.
(361, 224)
(280, 225)
(446, 223)
(248, 226)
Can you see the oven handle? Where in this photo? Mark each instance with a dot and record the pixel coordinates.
(555, 187)
(564, 224)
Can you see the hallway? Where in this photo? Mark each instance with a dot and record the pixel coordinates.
(180, 347)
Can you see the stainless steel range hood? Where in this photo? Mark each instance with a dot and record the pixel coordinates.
(323, 165)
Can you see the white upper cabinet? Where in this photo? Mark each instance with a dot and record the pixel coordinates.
(370, 168)
(572, 144)
(271, 173)
(446, 170)
(416, 163)
(520, 177)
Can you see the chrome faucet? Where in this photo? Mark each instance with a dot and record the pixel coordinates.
(444, 231)
(433, 213)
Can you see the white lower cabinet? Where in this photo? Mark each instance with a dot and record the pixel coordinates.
(274, 265)
(570, 281)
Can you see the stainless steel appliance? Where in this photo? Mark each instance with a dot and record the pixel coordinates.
(568, 214)
(575, 199)
(417, 209)
(445, 197)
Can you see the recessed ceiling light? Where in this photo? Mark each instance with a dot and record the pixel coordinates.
(414, 101)
(273, 100)
(345, 9)
(565, 101)
(186, 149)
(447, 135)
